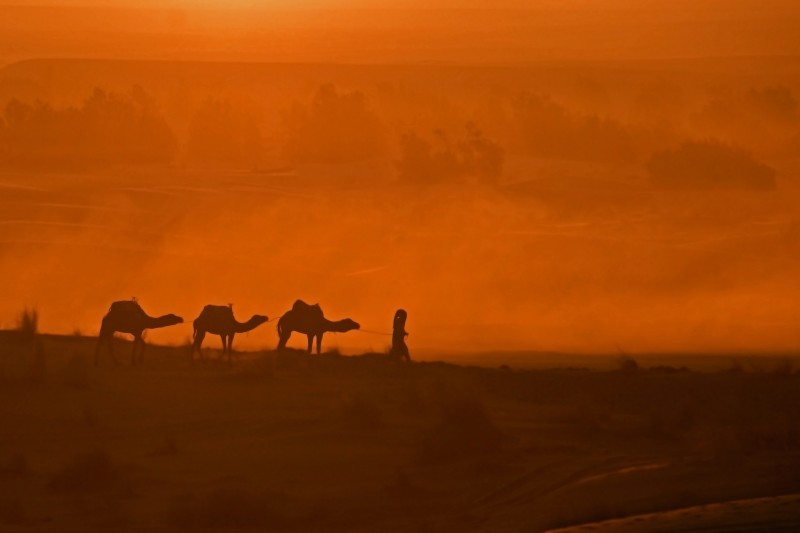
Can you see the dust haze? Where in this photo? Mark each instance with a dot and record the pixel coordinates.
(555, 206)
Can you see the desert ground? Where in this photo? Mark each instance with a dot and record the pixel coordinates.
(292, 442)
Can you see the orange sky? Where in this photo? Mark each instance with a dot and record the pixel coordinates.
(355, 30)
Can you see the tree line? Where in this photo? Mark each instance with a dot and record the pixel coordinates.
(339, 126)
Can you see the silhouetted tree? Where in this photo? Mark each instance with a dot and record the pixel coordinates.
(337, 127)
(548, 129)
(108, 128)
(420, 163)
(709, 165)
(474, 156)
(774, 103)
(766, 120)
(480, 156)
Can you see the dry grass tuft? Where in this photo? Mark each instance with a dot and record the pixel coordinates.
(627, 364)
(28, 323)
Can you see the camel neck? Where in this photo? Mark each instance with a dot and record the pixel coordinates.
(333, 325)
(244, 327)
(156, 321)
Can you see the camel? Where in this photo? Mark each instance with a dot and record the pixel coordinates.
(309, 319)
(219, 320)
(129, 317)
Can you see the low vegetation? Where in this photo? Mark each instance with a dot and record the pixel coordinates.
(709, 165)
(28, 323)
(106, 129)
(470, 157)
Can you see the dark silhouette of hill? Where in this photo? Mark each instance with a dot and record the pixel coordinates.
(355, 442)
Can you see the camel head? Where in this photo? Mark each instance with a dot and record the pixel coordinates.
(346, 325)
(163, 321)
(169, 320)
(257, 320)
(250, 325)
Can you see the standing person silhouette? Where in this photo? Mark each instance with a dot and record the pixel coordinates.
(399, 334)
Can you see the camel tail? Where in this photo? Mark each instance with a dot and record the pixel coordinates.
(194, 332)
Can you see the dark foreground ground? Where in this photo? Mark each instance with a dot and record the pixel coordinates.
(288, 442)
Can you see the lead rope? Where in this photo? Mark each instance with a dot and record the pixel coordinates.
(369, 331)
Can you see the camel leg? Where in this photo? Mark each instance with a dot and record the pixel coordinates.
(224, 340)
(310, 342)
(284, 339)
(319, 343)
(230, 346)
(108, 340)
(142, 346)
(198, 344)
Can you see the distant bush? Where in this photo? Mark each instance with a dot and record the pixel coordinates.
(108, 128)
(28, 323)
(220, 133)
(337, 127)
(767, 120)
(548, 129)
(627, 364)
(777, 104)
(770, 106)
(472, 156)
(709, 165)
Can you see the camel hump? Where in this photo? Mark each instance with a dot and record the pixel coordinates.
(126, 307)
(300, 305)
(307, 309)
(217, 311)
